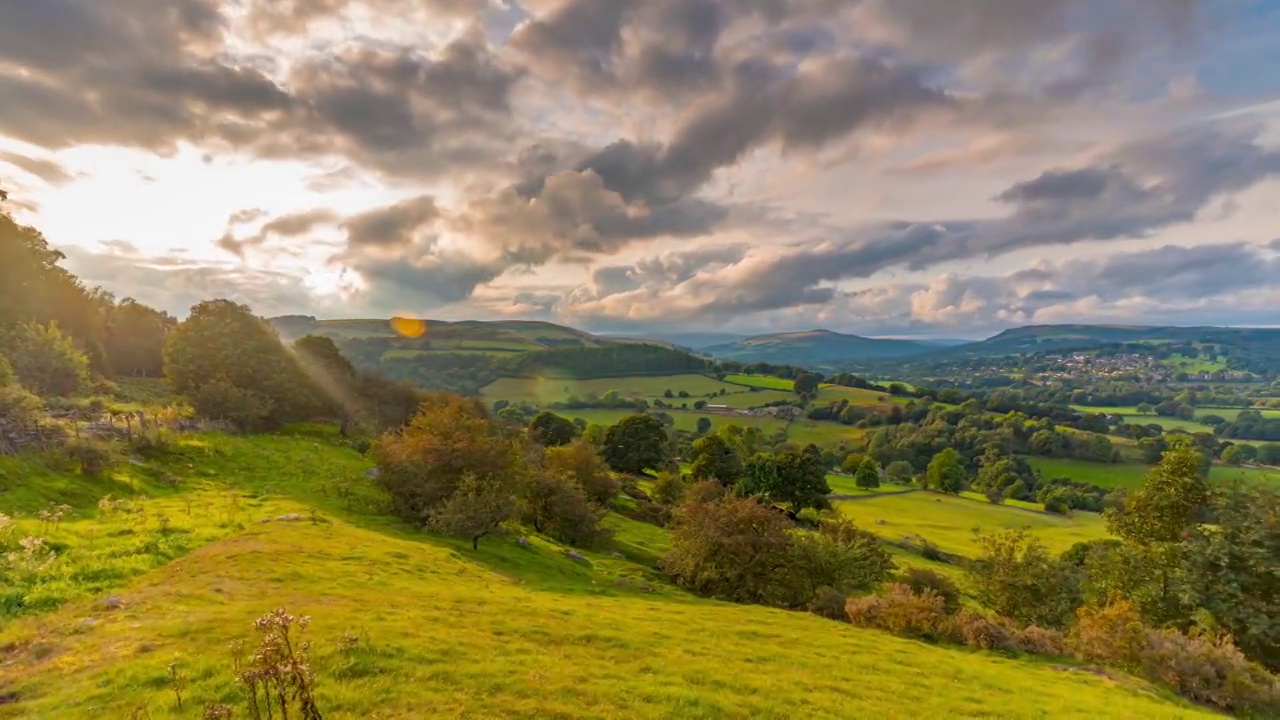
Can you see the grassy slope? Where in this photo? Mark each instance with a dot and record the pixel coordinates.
(507, 631)
(1130, 474)
(541, 391)
(948, 521)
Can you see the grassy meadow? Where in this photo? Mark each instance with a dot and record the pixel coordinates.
(506, 631)
(949, 522)
(1130, 474)
(541, 391)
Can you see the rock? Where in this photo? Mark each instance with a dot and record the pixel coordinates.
(617, 554)
(574, 555)
(112, 602)
(372, 473)
(523, 542)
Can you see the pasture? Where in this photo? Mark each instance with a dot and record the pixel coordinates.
(506, 631)
(542, 391)
(1130, 475)
(949, 522)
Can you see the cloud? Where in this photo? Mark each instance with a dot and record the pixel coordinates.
(174, 285)
(47, 170)
(393, 226)
(285, 226)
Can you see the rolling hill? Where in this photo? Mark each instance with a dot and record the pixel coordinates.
(1049, 338)
(816, 347)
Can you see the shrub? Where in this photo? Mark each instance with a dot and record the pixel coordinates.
(45, 361)
(19, 405)
(729, 548)
(1043, 641)
(838, 555)
(921, 579)
(1016, 577)
(583, 464)
(7, 377)
(901, 611)
(94, 457)
(1210, 671)
(220, 400)
(278, 673)
(478, 506)
(669, 489)
(986, 632)
(554, 504)
(829, 603)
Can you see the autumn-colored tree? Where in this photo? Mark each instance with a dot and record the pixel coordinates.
(839, 556)
(731, 548)
(555, 504)
(422, 466)
(580, 461)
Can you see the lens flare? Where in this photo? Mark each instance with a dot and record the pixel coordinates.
(409, 327)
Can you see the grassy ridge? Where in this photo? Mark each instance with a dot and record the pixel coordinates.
(508, 631)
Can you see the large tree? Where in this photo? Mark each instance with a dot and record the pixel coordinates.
(945, 472)
(135, 340)
(715, 459)
(638, 443)
(868, 475)
(551, 430)
(225, 342)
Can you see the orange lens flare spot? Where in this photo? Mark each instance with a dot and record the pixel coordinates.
(409, 327)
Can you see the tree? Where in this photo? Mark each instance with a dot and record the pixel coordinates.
(1171, 499)
(479, 505)
(807, 383)
(135, 339)
(220, 400)
(852, 462)
(580, 461)
(900, 471)
(1230, 570)
(224, 341)
(715, 459)
(839, 556)
(868, 475)
(1015, 576)
(555, 504)
(945, 473)
(800, 480)
(422, 466)
(1145, 409)
(704, 425)
(551, 430)
(44, 360)
(730, 548)
(1232, 455)
(636, 444)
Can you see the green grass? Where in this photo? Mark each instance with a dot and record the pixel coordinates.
(1130, 474)
(822, 434)
(1194, 365)
(540, 391)
(444, 631)
(761, 381)
(843, 485)
(948, 521)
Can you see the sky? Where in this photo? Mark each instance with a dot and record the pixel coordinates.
(881, 167)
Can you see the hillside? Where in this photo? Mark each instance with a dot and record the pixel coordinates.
(816, 348)
(506, 631)
(501, 335)
(1046, 338)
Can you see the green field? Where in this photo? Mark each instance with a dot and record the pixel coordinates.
(1194, 365)
(440, 630)
(1129, 475)
(540, 391)
(948, 521)
(761, 381)
(843, 485)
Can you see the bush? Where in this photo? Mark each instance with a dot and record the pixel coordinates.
(1197, 666)
(556, 505)
(986, 632)
(730, 548)
(18, 405)
(922, 579)
(153, 443)
(901, 611)
(838, 555)
(45, 361)
(669, 489)
(1016, 577)
(220, 400)
(7, 377)
(829, 603)
(1043, 641)
(94, 457)
(581, 462)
